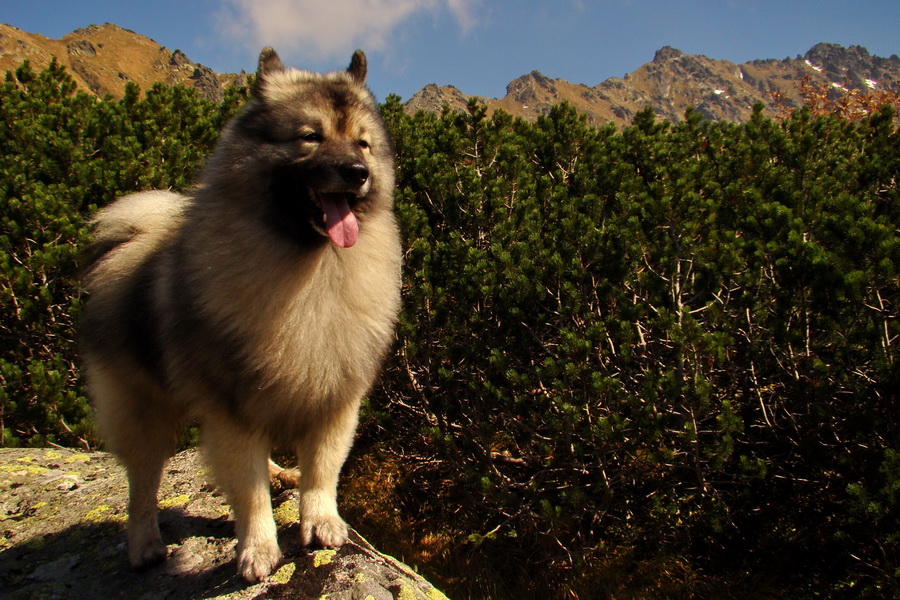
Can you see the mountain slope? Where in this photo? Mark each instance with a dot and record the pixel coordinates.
(673, 81)
(103, 58)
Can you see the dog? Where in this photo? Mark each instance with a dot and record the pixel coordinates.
(260, 306)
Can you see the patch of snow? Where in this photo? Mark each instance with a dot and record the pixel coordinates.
(871, 83)
(839, 86)
(814, 67)
(718, 92)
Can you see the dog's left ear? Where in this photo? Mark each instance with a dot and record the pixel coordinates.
(358, 67)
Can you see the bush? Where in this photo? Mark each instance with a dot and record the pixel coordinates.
(677, 334)
(62, 155)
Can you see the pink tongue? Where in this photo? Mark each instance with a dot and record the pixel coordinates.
(341, 223)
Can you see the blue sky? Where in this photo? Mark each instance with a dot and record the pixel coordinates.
(477, 45)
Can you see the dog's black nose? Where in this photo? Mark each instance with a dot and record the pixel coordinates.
(355, 173)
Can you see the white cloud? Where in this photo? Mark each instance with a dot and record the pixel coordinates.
(323, 29)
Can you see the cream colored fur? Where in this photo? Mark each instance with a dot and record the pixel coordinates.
(309, 330)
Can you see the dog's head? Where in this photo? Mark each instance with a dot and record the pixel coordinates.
(316, 146)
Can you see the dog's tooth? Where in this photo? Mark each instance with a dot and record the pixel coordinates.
(324, 218)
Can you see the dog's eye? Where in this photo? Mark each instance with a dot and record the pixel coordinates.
(363, 144)
(312, 136)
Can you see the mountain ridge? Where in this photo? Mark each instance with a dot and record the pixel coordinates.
(673, 81)
(104, 58)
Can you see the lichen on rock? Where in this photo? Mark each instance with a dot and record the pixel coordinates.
(63, 517)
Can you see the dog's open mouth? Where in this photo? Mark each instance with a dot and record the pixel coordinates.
(338, 220)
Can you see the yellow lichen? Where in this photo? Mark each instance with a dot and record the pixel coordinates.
(78, 458)
(287, 512)
(52, 455)
(284, 574)
(406, 592)
(95, 516)
(23, 469)
(175, 501)
(323, 557)
(436, 594)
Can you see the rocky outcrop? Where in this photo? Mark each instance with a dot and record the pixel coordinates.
(62, 535)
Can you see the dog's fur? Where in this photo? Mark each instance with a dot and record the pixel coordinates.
(241, 309)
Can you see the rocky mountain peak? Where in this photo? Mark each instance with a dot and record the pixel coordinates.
(667, 53)
(531, 88)
(433, 98)
(852, 66)
(102, 59)
(675, 80)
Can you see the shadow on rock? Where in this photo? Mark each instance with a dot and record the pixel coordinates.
(88, 561)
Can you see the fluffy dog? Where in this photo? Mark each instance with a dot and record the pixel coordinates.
(261, 307)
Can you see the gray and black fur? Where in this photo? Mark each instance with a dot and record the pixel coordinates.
(261, 306)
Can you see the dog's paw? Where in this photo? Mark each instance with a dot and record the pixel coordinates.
(145, 554)
(329, 531)
(257, 561)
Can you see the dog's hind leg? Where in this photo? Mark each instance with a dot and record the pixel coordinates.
(145, 545)
(321, 454)
(141, 428)
(239, 460)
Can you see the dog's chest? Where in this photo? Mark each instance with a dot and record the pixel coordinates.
(331, 332)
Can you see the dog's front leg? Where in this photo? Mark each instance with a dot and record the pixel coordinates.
(239, 461)
(321, 454)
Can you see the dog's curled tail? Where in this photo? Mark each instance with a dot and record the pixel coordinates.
(148, 217)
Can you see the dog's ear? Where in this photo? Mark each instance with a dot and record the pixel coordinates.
(268, 62)
(358, 67)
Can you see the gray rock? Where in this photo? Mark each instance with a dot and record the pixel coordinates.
(68, 541)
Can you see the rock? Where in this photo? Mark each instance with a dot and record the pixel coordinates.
(179, 59)
(667, 53)
(55, 570)
(62, 535)
(81, 48)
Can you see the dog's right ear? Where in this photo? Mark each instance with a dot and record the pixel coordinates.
(268, 62)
